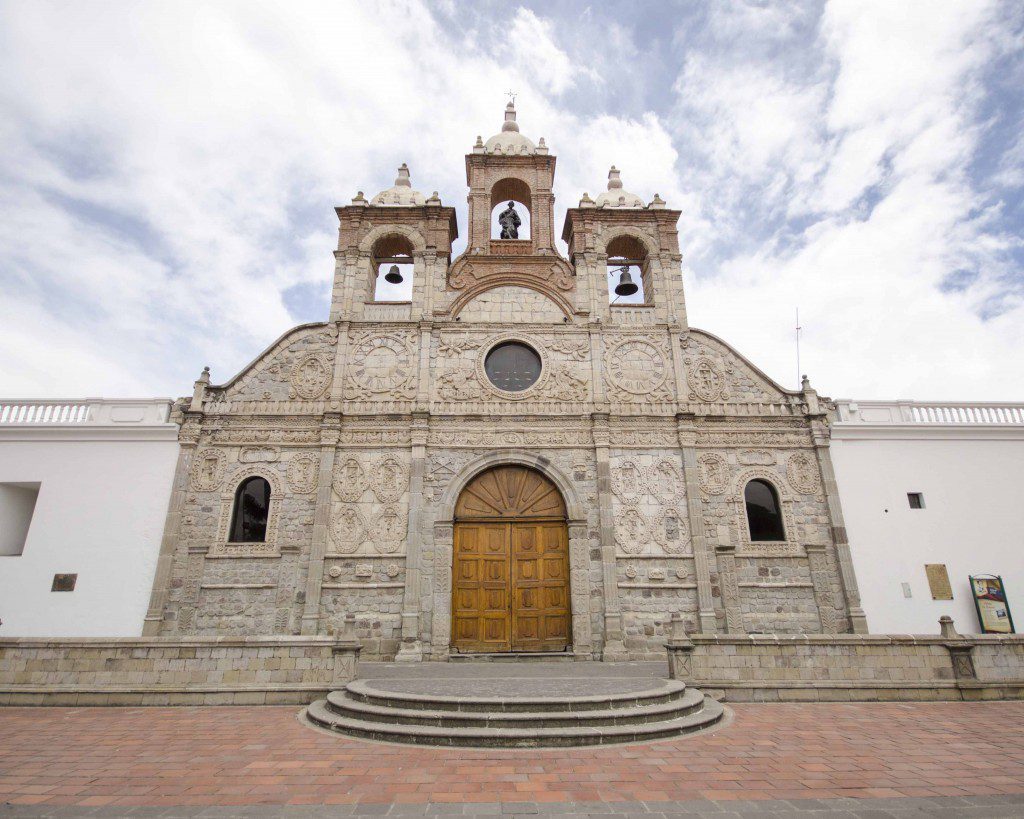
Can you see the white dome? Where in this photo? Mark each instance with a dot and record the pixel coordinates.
(510, 141)
(402, 194)
(616, 197)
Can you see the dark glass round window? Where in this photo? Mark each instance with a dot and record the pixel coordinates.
(512, 366)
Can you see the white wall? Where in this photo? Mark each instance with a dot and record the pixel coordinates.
(971, 477)
(104, 490)
(17, 502)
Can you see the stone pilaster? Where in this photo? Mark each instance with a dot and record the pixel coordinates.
(614, 648)
(817, 562)
(329, 434)
(411, 650)
(726, 553)
(698, 534)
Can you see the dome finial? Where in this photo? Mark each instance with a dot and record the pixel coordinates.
(614, 182)
(403, 180)
(510, 123)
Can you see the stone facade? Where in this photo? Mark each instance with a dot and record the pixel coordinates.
(367, 427)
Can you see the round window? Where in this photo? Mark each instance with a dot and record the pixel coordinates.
(512, 366)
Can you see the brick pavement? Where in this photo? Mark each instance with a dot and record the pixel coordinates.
(247, 756)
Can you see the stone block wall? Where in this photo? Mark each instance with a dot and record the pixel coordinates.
(174, 671)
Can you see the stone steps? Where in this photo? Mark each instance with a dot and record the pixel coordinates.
(514, 657)
(364, 710)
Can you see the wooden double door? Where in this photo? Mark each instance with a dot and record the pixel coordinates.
(510, 578)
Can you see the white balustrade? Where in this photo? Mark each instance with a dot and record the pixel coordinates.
(82, 412)
(957, 413)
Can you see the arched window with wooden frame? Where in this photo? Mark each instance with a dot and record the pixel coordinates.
(628, 264)
(764, 511)
(392, 264)
(251, 511)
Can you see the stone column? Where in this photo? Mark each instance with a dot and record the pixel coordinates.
(411, 650)
(730, 588)
(441, 617)
(698, 534)
(579, 587)
(858, 620)
(169, 542)
(614, 648)
(329, 436)
(817, 562)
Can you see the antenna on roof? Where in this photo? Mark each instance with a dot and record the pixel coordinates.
(798, 346)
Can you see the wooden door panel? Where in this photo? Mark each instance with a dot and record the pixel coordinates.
(481, 597)
(540, 615)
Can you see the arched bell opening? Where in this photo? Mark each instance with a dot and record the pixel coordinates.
(629, 279)
(510, 564)
(392, 264)
(511, 210)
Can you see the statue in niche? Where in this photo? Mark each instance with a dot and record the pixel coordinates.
(510, 222)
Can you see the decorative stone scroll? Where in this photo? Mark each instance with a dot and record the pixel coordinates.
(802, 472)
(389, 479)
(628, 480)
(302, 473)
(207, 470)
(348, 529)
(712, 473)
(311, 377)
(350, 480)
(632, 532)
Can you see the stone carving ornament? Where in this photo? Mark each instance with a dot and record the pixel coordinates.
(670, 532)
(382, 364)
(631, 532)
(389, 479)
(389, 529)
(707, 381)
(664, 480)
(348, 529)
(207, 470)
(756, 457)
(458, 385)
(712, 473)
(311, 377)
(350, 480)
(637, 366)
(302, 473)
(256, 454)
(802, 472)
(628, 481)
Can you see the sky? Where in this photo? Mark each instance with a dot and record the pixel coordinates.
(169, 172)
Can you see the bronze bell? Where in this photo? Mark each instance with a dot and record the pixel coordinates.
(394, 276)
(626, 285)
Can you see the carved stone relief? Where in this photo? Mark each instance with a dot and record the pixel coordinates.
(207, 470)
(389, 479)
(382, 367)
(348, 529)
(632, 531)
(756, 457)
(311, 377)
(628, 480)
(712, 473)
(256, 454)
(670, 531)
(802, 472)
(389, 528)
(706, 378)
(350, 480)
(302, 473)
(664, 479)
(637, 367)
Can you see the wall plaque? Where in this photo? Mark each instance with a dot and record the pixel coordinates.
(938, 581)
(991, 604)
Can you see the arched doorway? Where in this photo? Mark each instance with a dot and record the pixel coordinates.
(510, 572)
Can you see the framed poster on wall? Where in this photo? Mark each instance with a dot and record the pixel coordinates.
(991, 604)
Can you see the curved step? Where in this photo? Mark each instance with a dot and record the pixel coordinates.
(344, 705)
(504, 737)
(364, 690)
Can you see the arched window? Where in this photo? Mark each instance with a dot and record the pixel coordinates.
(512, 193)
(764, 515)
(252, 506)
(392, 262)
(627, 255)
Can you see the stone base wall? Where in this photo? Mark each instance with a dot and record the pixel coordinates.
(764, 668)
(174, 670)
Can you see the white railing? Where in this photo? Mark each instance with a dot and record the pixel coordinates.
(83, 412)
(958, 413)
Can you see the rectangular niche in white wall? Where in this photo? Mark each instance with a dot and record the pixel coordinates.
(17, 503)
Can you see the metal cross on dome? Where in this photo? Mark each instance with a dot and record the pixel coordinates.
(512, 96)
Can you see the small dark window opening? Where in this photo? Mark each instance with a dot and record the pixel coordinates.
(916, 500)
(252, 506)
(512, 366)
(764, 517)
(64, 582)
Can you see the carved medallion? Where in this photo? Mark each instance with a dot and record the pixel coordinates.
(392, 570)
(348, 529)
(627, 480)
(637, 367)
(302, 473)
(389, 479)
(389, 530)
(334, 571)
(383, 364)
(712, 473)
(664, 480)
(756, 457)
(670, 531)
(631, 531)
(706, 380)
(802, 471)
(310, 378)
(350, 480)
(631, 571)
(207, 470)
(258, 454)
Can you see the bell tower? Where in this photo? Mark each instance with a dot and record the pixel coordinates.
(511, 223)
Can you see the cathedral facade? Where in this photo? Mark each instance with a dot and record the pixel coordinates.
(511, 459)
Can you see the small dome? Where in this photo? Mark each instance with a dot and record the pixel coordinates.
(616, 197)
(402, 194)
(509, 141)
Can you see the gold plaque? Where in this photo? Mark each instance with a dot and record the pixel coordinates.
(938, 581)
